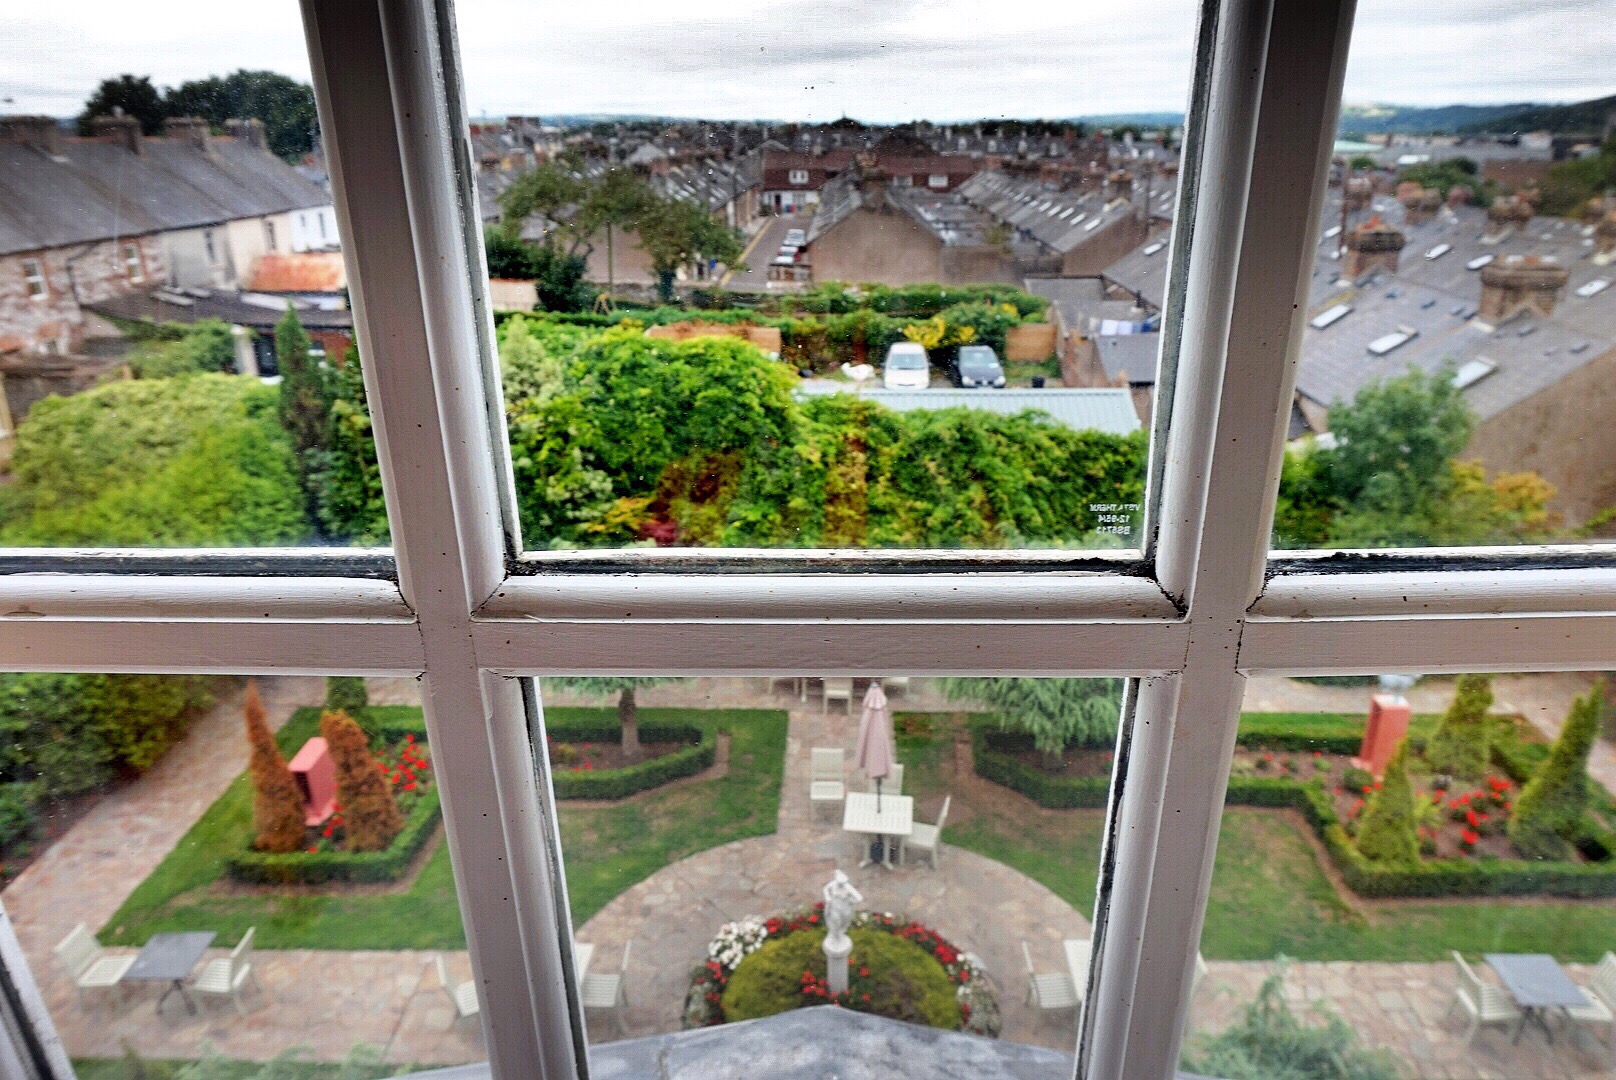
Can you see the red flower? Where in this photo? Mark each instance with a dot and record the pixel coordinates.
(1470, 816)
(410, 786)
(864, 972)
(314, 849)
(1468, 837)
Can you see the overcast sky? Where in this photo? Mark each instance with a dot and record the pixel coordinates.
(878, 60)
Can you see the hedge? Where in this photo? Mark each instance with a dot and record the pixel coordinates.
(1432, 878)
(353, 867)
(620, 783)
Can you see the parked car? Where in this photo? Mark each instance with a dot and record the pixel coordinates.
(978, 365)
(906, 368)
(796, 237)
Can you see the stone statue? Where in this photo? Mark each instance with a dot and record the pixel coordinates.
(1396, 684)
(841, 900)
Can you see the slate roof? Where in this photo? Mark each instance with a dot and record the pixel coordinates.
(1080, 299)
(1061, 221)
(1108, 409)
(1437, 298)
(1133, 356)
(96, 189)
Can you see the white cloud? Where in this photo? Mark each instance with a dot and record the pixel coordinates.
(816, 59)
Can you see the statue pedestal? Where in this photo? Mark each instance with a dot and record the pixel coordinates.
(836, 954)
(1388, 725)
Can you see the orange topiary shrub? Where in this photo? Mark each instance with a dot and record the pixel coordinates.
(277, 803)
(370, 813)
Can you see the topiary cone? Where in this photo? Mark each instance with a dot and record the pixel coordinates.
(1552, 803)
(370, 813)
(1460, 746)
(277, 802)
(1386, 833)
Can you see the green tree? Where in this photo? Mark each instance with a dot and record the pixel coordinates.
(554, 194)
(1571, 184)
(628, 709)
(1448, 174)
(1268, 1042)
(1057, 713)
(558, 277)
(1394, 442)
(191, 462)
(677, 233)
(1386, 830)
(346, 693)
(285, 106)
(1460, 745)
(126, 95)
(1549, 812)
(345, 476)
(208, 345)
(304, 403)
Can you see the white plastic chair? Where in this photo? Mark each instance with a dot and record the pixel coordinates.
(1049, 992)
(925, 838)
(464, 995)
(837, 690)
(88, 964)
(825, 787)
(1482, 1002)
(608, 991)
(1601, 995)
(225, 976)
(892, 782)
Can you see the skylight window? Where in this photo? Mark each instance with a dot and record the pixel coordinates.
(1594, 287)
(1472, 372)
(1438, 251)
(1397, 338)
(1478, 262)
(1154, 246)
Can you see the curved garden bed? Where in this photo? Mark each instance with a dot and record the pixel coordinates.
(898, 969)
(575, 777)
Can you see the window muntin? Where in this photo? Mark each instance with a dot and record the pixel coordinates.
(33, 278)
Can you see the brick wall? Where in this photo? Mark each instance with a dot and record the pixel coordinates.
(55, 320)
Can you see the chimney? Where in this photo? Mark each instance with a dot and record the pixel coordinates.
(1520, 283)
(40, 132)
(249, 131)
(1370, 247)
(1420, 204)
(1605, 236)
(1119, 185)
(193, 129)
(872, 182)
(1506, 210)
(1359, 190)
(124, 129)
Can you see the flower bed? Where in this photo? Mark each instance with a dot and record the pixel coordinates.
(408, 768)
(1296, 761)
(578, 779)
(899, 969)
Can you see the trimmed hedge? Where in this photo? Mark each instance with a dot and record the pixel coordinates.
(352, 867)
(1324, 731)
(620, 783)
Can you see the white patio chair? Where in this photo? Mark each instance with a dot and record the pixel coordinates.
(892, 782)
(837, 690)
(1601, 995)
(464, 995)
(608, 991)
(1049, 992)
(88, 964)
(825, 787)
(926, 838)
(225, 976)
(1482, 1002)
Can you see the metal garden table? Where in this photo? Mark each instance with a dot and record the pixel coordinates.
(1538, 984)
(171, 958)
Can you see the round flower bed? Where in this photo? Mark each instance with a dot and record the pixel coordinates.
(898, 969)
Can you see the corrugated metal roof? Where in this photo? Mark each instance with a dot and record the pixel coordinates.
(96, 189)
(1108, 409)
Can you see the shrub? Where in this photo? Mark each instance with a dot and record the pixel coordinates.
(277, 802)
(204, 346)
(1356, 779)
(368, 804)
(1551, 807)
(17, 816)
(1459, 746)
(992, 753)
(905, 982)
(355, 867)
(1386, 831)
(347, 693)
(621, 783)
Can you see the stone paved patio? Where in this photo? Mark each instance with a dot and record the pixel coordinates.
(327, 1001)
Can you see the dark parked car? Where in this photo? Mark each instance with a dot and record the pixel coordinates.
(978, 365)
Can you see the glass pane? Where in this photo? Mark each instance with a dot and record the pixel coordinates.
(1381, 831)
(1455, 368)
(697, 848)
(134, 808)
(179, 367)
(904, 313)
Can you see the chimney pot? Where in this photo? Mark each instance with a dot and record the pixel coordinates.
(249, 131)
(1520, 283)
(125, 129)
(40, 132)
(193, 129)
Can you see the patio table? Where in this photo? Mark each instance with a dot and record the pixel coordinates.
(884, 816)
(1538, 984)
(171, 958)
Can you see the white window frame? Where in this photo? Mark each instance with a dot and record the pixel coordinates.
(456, 601)
(134, 266)
(797, 176)
(33, 278)
(937, 181)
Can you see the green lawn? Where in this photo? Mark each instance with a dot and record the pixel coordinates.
(1269, 894)
(607, 849)
(222, 1069)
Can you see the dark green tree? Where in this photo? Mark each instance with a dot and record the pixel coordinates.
(1386, 830)
(678, 233)
(346, 693)
(126, 95)
(208, 345)
(1057, 713)
(345, 476)
(1460, 746)
(557, 276)
(1550, 808)
(285, 105)
(304, 402)
(628, 710)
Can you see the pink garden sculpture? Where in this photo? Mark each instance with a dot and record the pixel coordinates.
(1388, 726)
(316, 776)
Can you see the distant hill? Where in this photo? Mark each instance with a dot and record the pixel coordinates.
(1137, 119)
(1423, 120)
(1582, 117)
